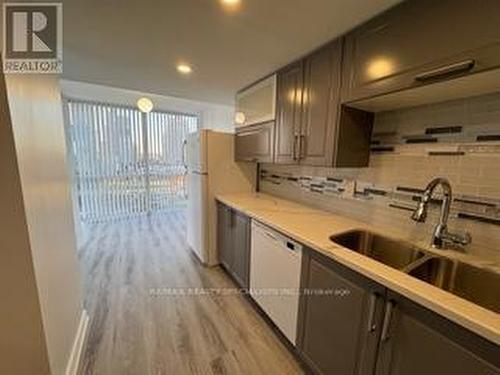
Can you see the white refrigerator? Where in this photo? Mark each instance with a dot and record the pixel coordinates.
(211, 171)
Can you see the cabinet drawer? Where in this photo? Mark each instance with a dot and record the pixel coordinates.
(420, 42)
(255, 143)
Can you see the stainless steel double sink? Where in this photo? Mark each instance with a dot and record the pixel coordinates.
(477, 285)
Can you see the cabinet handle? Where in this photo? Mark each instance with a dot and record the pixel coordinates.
(232, 213)
(387, 321)
(294, 148)
(371, 312)
(443, 71)
(184, 145)
(302, 146)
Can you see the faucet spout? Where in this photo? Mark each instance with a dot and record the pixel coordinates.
(441, 234)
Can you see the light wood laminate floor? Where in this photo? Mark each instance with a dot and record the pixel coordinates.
(134, 331)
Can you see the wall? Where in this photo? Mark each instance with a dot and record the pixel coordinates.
(212, 116)
(459, 140)
(22, 343)
(37, 124)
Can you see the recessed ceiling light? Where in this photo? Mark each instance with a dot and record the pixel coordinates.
(184, 68)
(230, 3)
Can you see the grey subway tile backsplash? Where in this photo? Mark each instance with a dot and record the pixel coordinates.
(483, 219)
(401, 207)
(465, 149)
(478, 203)
(466, 120)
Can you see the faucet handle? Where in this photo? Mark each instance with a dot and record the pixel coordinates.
(420, 213)
(462, 239)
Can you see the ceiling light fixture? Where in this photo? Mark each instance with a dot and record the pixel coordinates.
(230, 4)
(184, 68)
(145, 105)
(239, 118)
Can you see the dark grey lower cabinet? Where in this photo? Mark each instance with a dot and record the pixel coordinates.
(224, 235)
(417, 341)
(360, 327)
(339, 315)
(233, 242)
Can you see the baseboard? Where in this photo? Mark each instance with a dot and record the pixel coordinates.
(76, 350)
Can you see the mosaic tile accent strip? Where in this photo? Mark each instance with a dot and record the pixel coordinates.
(406, 198)
(444, 130)
(488, 138)
(446, 153)
(382, 149)
(410, 140)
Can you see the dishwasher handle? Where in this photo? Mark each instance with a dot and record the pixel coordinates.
(284, 242)
(269, 234)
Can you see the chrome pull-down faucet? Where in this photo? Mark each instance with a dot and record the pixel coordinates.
(441, 235)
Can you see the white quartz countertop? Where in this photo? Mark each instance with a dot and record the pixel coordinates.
(313, 228)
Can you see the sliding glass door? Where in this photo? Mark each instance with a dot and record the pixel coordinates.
(126, 162)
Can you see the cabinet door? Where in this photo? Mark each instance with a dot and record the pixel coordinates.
(241, 249)
(417, 341)
(257, 103)
(320, 104)
(289, 106)
(397, 49)
(338, 330)
(225, 235)
(255, 143)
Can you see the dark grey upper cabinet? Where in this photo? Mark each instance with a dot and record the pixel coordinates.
(419, 42)
(255, 143)
(416, 341)
(338, 332)
(320, 105)
(289, 109)
(311, 129)
(233, 243)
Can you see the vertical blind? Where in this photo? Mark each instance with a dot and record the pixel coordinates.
(125, 162)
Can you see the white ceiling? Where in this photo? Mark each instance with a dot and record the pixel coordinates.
(135, 44)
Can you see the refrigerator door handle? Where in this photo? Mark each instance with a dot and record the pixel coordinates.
(183, 151)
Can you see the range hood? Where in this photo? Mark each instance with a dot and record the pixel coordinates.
(484, 82)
